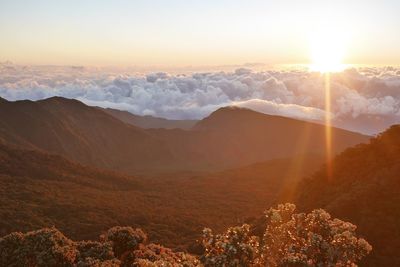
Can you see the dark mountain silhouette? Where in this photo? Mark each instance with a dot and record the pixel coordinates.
(228, 138)
(79, 132)
(364, 188)
(149, 122)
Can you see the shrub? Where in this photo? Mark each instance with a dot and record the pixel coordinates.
(159, 254)
(125, 239)
(90, 262)
(289, 239)
(312, 239)
(94, 250)
(45, 247)
(235, 247)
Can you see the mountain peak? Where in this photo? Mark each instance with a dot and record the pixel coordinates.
(232, 110)
(233, 116)
(227, 109)
(59, 99)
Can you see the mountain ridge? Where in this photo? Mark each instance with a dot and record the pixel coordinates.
(148, 121)
(90, 136)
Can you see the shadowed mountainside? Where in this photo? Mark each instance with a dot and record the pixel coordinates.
(233, 136)
(149, 122)
(228, 138)
(81, 133)
(364, 189)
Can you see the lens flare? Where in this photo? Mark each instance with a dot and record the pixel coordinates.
(328, 125)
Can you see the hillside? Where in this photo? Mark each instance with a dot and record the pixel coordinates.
(42, 190)
(80, 133)
(149, 122)
(234, 136)
(228, 138)
(365, 190)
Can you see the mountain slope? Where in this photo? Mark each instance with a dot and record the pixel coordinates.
(42, 190)
(39, 189)
(228, 138)
(364, 189)
(81, 133)
(149, 122)
(235, 136)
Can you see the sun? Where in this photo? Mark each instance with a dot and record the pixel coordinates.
(327, 46)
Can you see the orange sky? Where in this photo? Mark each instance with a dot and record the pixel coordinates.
(176, 33)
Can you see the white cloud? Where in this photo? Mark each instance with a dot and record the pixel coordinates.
(363, 92)
(287, 110)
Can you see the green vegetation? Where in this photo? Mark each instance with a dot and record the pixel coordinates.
(289, 239)
(363, 189)
(40, 190)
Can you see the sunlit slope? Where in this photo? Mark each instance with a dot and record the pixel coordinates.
(365, 190)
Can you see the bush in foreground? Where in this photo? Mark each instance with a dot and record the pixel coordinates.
(289, 239)
(312, 239)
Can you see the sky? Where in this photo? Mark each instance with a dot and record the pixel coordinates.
(196, 33)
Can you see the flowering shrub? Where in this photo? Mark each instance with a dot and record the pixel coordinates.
(312, 239)
(45, 247)
(289, 239)
(92, 253)
(160, 256)
(90, 262)
(120, 246)
(124, 239)
(235, 247)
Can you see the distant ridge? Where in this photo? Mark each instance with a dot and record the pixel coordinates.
(149, 122)
(230, 137)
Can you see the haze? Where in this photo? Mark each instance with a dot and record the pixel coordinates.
(181, 33)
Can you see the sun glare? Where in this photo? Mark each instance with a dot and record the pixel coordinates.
(327, 47)
(328, 44)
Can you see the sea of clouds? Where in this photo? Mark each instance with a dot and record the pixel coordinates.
(363, 99)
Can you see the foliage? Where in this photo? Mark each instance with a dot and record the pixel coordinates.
(120, 246)
(125, 239)
(364, 188)
(91, 253)
(312, 239)
(235, 247)
(45, 247)
(290, 239)
(161, 256)
(39, 190)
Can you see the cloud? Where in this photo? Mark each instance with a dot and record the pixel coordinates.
(357, 94)
(286, 110)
